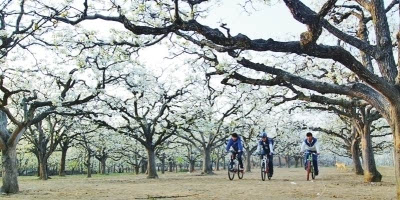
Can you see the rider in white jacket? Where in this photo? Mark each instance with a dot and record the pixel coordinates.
(311, 145)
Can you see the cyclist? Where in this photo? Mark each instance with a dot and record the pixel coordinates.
(266, 147)
(236, 143)
(310, 145)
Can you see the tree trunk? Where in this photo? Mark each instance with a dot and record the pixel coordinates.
(38, 167)
(383, 39)
(296, 162)
(171, 166)
(43, 168)
(144, 166)
(88, 166)
(355, 155)
(395, 126)
(217, 164)
(280, 161)
(371, 174)
(248, 161)
(137, 167)
(103, 163)
(207, 165)
(191, 166)
(9, 170)
(63, 161)
(151, 163)
(287, 160)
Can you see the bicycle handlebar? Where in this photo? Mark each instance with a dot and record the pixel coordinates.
(311, 153)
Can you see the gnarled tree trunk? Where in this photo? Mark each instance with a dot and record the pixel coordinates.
(371, 173)
(287, 160)
(103, 165)
(248, 161)
(217, 163)
(9, 170)
(280, 161)
(63, 161)
(151, 163)
(207, 165)
(43, 168)
(192, 165)
(88, 165)
(355, 155)
(395, 126)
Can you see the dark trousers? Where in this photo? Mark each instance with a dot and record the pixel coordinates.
(239, 156)
(270, 164)
(315, 161)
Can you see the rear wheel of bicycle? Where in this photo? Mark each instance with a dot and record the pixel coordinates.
(263, 172)
(240, 172)
(308, 170)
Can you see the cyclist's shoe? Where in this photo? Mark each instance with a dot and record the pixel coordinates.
(241, 169)
(316, 173)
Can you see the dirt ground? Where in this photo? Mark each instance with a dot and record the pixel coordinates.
(286, 184)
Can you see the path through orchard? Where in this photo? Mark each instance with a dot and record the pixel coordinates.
(286, 184)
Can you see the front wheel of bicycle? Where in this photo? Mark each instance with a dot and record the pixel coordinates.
(308, 170)
(263, 172)
(312, 172)
(231, 174)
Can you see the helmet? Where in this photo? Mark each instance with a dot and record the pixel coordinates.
(263, 135)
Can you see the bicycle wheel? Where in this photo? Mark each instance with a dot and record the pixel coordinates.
(312, 172)
(240, 172)
(308, 170)
(262, 171)
(231, 173)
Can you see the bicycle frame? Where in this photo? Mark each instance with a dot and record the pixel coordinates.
(234, 159)
(235, 167)
(265, 162)
(265, 167)
(311, 163)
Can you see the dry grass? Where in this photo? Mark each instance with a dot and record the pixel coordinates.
(286, 184)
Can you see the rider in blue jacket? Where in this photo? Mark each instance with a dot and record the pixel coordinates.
(236, 143)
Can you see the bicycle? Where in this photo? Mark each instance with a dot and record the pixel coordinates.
(310, 166)
(233, 167)
(265, 168)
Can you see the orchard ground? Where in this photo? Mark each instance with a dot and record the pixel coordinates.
(286, 184)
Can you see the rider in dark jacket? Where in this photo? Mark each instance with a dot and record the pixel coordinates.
(266, 147)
